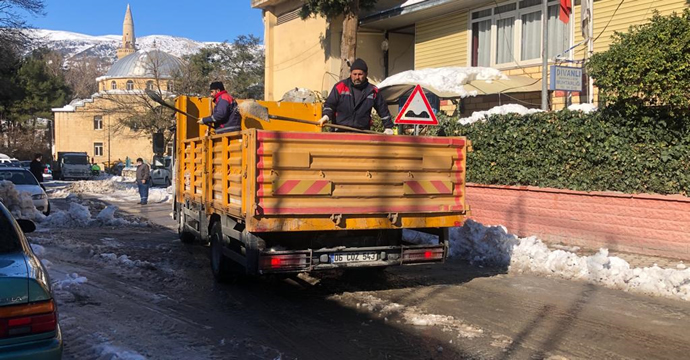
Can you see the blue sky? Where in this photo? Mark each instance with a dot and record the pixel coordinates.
(196, 20)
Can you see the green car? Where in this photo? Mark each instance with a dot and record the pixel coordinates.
(29, 326)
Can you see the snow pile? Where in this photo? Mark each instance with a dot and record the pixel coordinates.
(117, 188)
(493, 245)
(125, 260)
(585, 108)
(38, 250)
(107, 351)
(444, 79)
(411, 314)
(79, 216)
(19, 204)
(497, 110)
(72, 280)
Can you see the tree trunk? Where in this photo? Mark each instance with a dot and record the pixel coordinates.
(348, 43)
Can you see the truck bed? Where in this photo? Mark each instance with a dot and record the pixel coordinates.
(276, 181)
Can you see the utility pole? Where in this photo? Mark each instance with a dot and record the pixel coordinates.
(545, 55)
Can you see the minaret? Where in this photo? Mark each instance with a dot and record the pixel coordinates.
(128, 40)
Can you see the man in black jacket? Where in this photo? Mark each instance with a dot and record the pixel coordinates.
(351, 100)
(36, 167)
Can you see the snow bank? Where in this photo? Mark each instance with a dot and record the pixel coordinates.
(498, 110)
(79, 216)
(444, 79)
(125, 260)
(71, 280)
(38, 250)
(108, 351)
(19, 204)
(117, 188)
(493, 245)
(585, 108)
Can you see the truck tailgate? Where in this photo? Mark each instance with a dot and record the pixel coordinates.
(319, 181)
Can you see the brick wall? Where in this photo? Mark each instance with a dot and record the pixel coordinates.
(644, 224)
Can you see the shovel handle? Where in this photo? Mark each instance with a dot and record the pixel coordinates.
(334, 126)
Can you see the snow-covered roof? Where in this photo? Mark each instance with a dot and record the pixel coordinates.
(444, 80)
(77, 103)
(142, 64)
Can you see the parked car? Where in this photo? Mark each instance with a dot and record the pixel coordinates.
(24, 180)
(29, 327)
(161, 171)
(26, 164)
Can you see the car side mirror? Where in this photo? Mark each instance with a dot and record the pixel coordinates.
(27, 226)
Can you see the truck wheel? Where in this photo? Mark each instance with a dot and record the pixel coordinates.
(221, 266)
(47, 212)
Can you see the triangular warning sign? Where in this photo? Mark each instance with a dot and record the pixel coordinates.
(417, 110)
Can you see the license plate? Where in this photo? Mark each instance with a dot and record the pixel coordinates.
(354, 257)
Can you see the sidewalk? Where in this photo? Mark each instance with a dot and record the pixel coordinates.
(635, 260)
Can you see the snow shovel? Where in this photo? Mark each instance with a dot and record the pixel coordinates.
(155, 97)
(253, 110)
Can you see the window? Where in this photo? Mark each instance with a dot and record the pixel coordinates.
(98, 122)
(169, 86)
(98, 149)
(130, 85)
(149, 85)
(113, 85)
(510, 34)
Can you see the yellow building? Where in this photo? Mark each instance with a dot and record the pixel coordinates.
(95, 125)
(506, 35)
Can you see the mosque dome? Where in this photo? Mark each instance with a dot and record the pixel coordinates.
(145, 64)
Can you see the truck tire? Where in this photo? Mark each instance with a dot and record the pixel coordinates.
(185, 236)
(221, 266)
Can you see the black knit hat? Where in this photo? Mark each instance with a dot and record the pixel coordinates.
(217, 85)
(359, 64)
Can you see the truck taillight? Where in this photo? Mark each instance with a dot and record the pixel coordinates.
(284, 262)
(422, 255)
(27, 319)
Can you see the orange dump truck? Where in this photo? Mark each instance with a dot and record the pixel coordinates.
(285, 197)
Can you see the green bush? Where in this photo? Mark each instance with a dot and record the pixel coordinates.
(608, 150)
(649, 65)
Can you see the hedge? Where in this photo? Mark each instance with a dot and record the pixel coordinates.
(608, 150)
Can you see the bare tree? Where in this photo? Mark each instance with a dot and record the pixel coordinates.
(80, 76)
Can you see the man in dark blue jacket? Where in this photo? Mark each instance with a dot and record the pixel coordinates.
(351, 100)
(226, 116)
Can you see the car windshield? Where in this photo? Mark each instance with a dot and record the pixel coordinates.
(18, 177)
(9, 240)
(76, 160)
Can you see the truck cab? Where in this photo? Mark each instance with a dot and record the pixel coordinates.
(72, 165)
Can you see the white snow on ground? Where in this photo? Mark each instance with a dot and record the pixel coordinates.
(444, 79)
(71, 280)
(497, 110)
(79, 216)
(585, 108)
(108, 351)
(117, 188)
(125, 260)
(410, 314)
(38, 250)
(493, 245)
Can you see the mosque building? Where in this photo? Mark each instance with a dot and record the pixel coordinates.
(101, 125)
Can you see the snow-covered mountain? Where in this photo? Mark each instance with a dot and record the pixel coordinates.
(74, 45)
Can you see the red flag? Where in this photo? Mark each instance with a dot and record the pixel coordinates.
(566, 9)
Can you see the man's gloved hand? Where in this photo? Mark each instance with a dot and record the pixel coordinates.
(200, 121)
(388, 131)
(323, 120)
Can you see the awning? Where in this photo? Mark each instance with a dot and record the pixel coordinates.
(511, 84)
